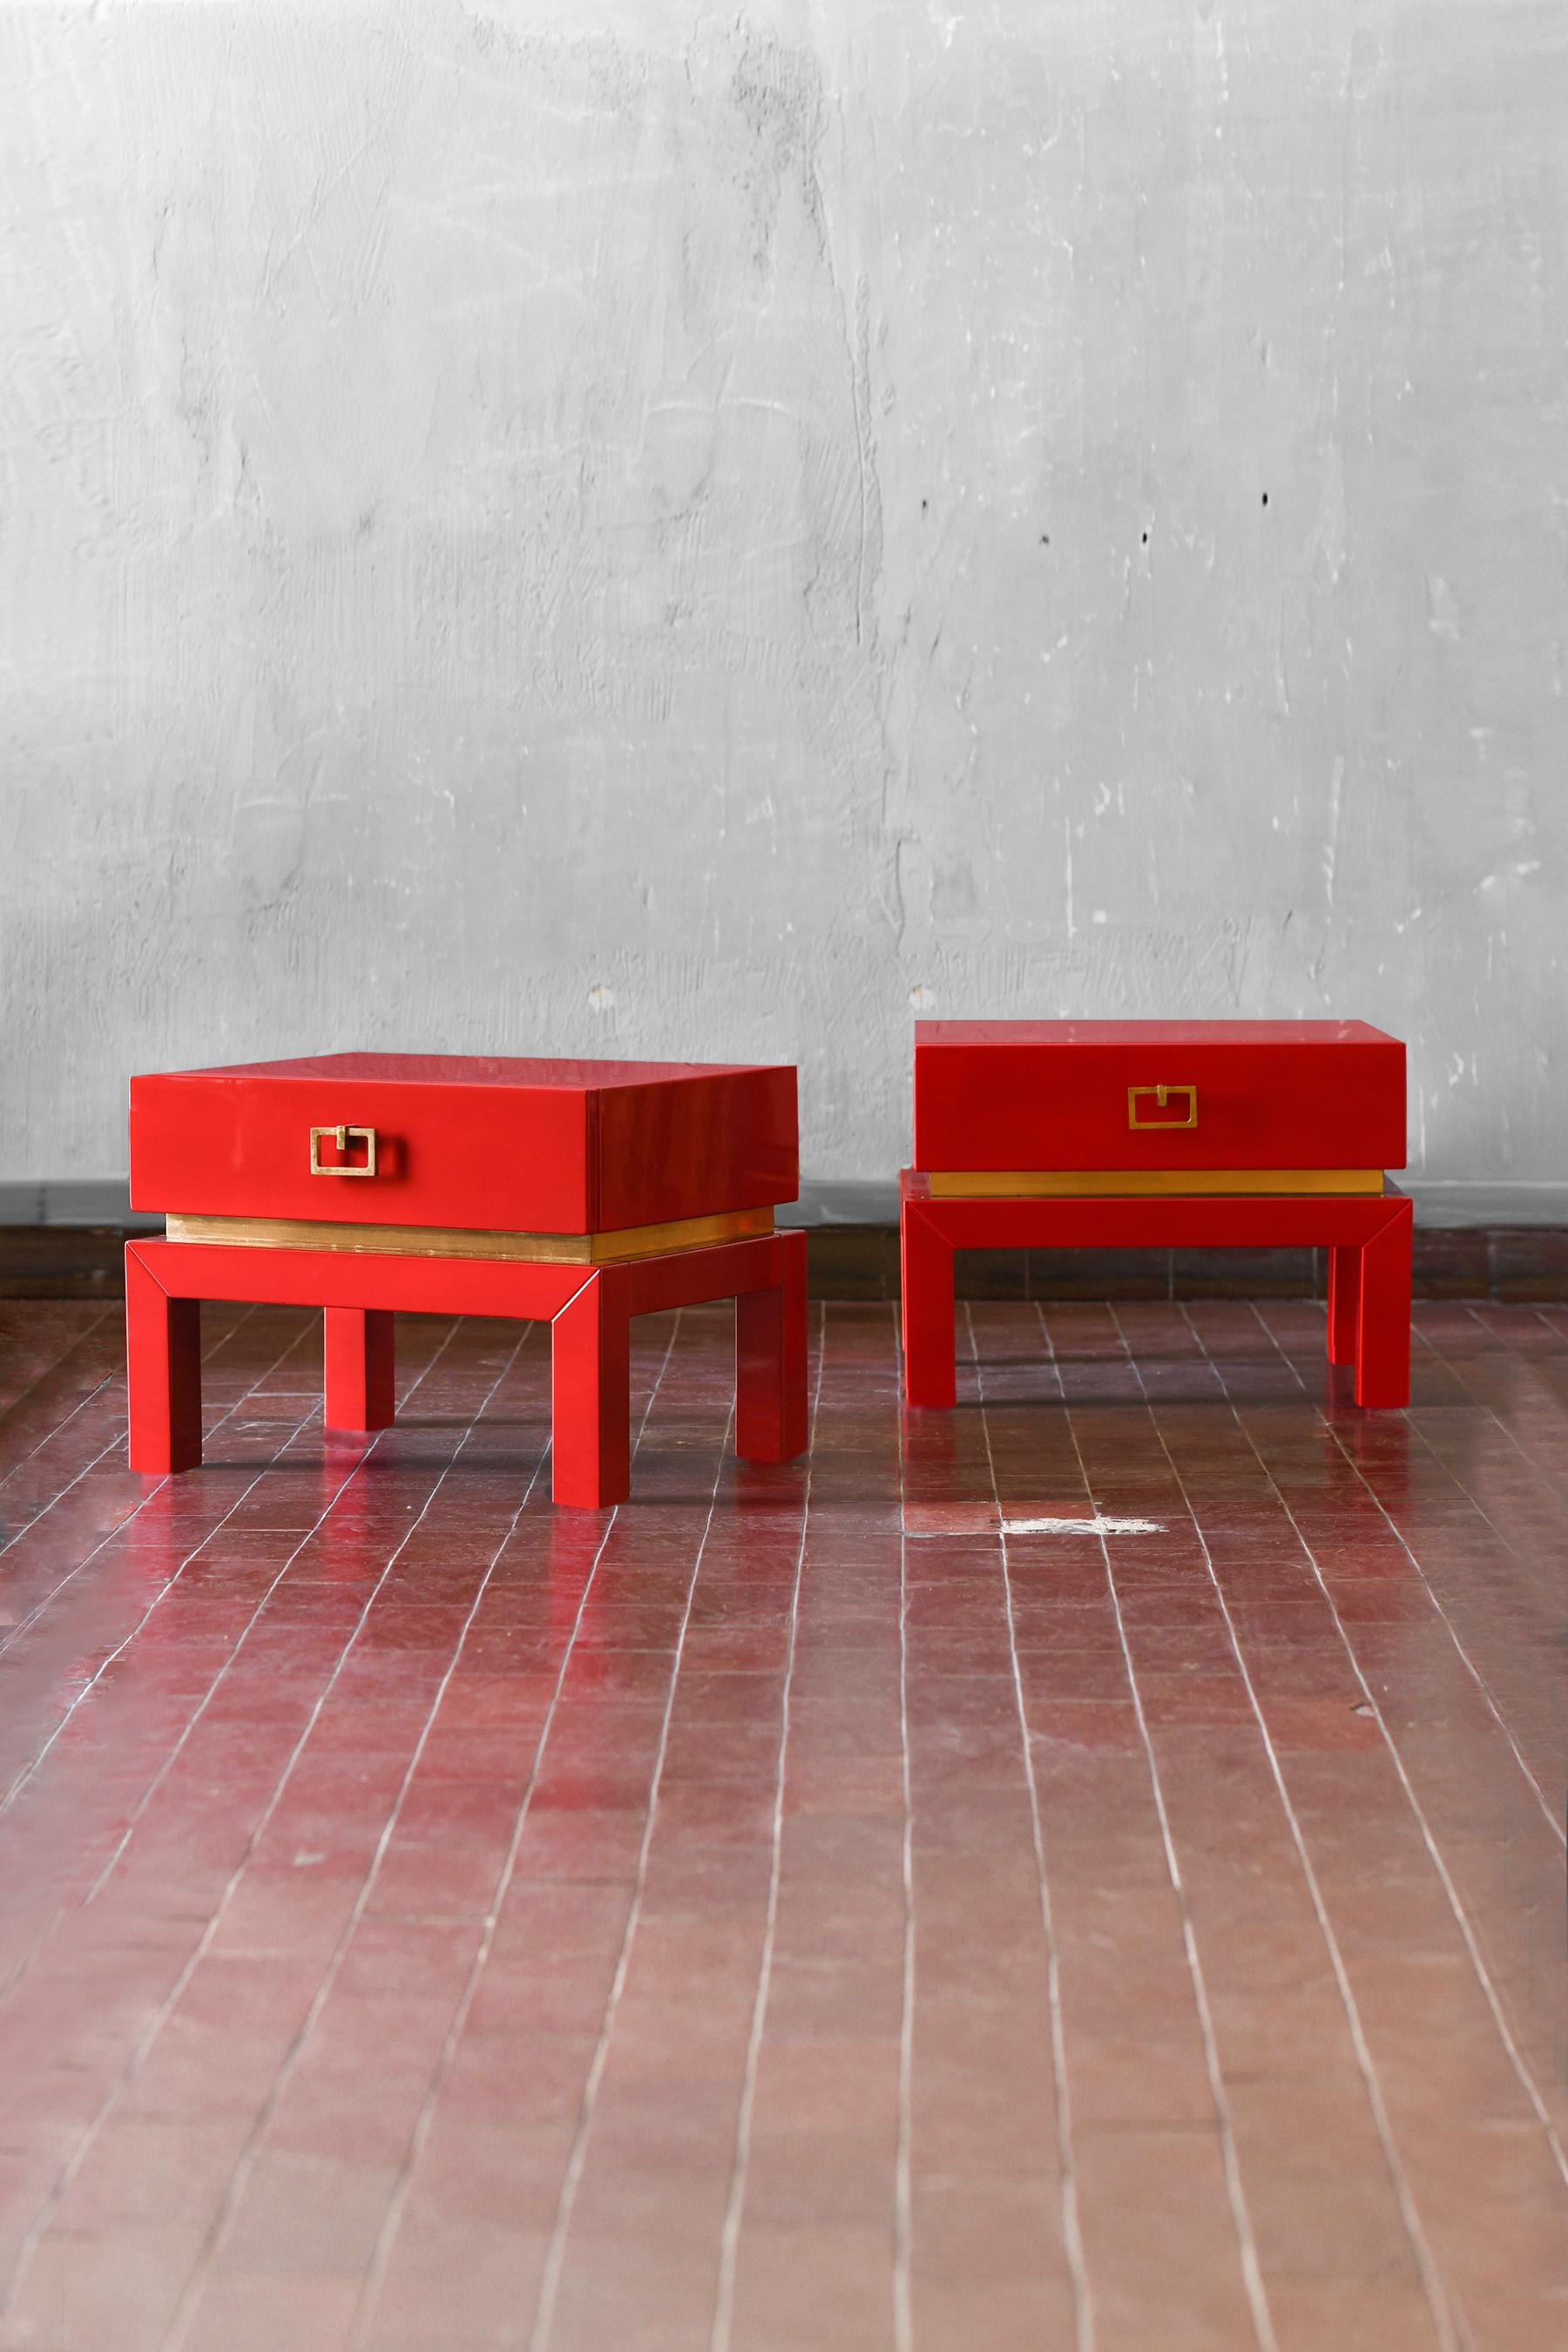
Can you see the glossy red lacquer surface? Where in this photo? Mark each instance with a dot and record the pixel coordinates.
(500, 1144)
(1367, 1238)
(589, 1310)
(1054, 1094)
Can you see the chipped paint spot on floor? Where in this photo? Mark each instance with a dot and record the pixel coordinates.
(1095, 1527)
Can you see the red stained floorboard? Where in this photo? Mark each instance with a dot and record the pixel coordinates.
(789, 1912)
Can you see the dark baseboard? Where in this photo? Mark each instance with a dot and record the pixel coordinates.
(861, 1262)
(62, 1261)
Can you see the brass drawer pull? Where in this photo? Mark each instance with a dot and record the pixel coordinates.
(343, 1137)
(1161, 1094)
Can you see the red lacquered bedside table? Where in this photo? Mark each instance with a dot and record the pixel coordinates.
(583, 1192)
(1161, 1134)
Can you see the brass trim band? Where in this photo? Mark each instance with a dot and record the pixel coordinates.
(1132, 1184)
(447, 1241)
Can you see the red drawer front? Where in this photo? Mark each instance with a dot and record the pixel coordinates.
(1238, 1094)
(500, 1145)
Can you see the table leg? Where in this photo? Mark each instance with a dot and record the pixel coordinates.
(1344, 1301)
(590, 1395)
(163, 1373)
(360, 1354)
(770, 1360)
(1382, 1337)
(930, 1369)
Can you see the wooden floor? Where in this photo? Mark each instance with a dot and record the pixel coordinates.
(794, 1911)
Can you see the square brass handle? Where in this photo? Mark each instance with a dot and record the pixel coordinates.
(1160, 1095)
(343, 1137)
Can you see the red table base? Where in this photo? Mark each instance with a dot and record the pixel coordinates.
(1367, 1237)
(588, 1310)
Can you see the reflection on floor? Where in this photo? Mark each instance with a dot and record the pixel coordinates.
(789, 1912)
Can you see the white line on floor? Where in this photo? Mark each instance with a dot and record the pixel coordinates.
(1097, 1527)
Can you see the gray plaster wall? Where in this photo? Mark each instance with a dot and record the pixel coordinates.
(614, 526)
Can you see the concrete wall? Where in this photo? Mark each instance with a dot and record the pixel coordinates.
(618, 526)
